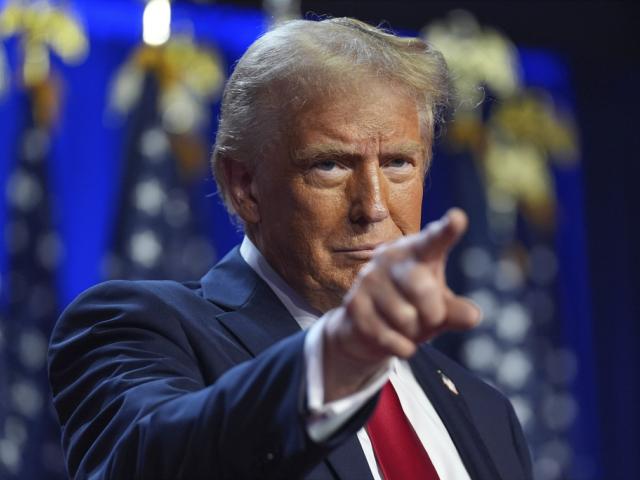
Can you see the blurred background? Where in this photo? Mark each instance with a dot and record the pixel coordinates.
(107, 116)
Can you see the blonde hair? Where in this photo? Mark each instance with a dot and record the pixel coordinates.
(300, 60)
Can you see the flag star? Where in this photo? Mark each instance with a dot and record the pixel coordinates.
(10, 455)
(481, 353)
(49, 250)
(180, 112)
(26, 398)
(488, 303)
(513, 322)
(149, 197)
(558, 450)
(154, 144)
(144, 248)
(24, 191)
(509, 276)
(514, 369)
(546, 468)
(476, 262)
(32, 349)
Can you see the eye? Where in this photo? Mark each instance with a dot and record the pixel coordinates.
(326, 172)
(326, 165)
(397, 163)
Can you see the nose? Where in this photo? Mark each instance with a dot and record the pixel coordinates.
(368, 195)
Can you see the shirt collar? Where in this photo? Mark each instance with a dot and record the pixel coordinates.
(303, 313)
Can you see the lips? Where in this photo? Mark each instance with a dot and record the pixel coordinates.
(369, 246)
(360, 252)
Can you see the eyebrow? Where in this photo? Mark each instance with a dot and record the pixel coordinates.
(333, 150)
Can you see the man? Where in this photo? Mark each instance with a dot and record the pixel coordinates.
(324, 141)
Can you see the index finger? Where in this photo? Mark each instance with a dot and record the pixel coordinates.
(437, 238)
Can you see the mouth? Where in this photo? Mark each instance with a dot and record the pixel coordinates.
(361, 252)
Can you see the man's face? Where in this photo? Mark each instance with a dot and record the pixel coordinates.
(348, 178)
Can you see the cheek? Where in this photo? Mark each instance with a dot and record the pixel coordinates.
(319, 210)
(405, 206)
(305, 217)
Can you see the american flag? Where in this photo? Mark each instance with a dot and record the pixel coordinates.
(508, 265)
(29, 432)
(504, 157)
(158, 233)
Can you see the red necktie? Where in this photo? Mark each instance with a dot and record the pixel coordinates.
(398, 450)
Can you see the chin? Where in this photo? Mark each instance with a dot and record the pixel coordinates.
(347, 278)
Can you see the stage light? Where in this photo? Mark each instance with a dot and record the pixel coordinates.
(156, 22)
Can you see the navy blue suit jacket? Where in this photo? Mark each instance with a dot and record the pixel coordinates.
(158, 380)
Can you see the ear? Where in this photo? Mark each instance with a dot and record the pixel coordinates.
(240, 181)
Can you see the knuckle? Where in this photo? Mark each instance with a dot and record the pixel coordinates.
(395, 313)
(420, 285)
(425, 286)
(366, 330)
(433, 312)
(405, 316)
(385, 342)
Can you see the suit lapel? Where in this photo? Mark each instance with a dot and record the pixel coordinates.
(257, 319)
(254, 314)
(456, 417)
(348, 461)
(257, 329)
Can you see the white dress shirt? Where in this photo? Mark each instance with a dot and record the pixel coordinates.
(327, 418)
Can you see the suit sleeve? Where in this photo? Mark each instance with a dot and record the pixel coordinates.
(132, 402)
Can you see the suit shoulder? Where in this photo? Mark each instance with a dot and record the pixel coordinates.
(139, 302)
(139, 292)
(121, 289)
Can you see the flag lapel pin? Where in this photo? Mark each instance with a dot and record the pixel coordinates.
(448, 383)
